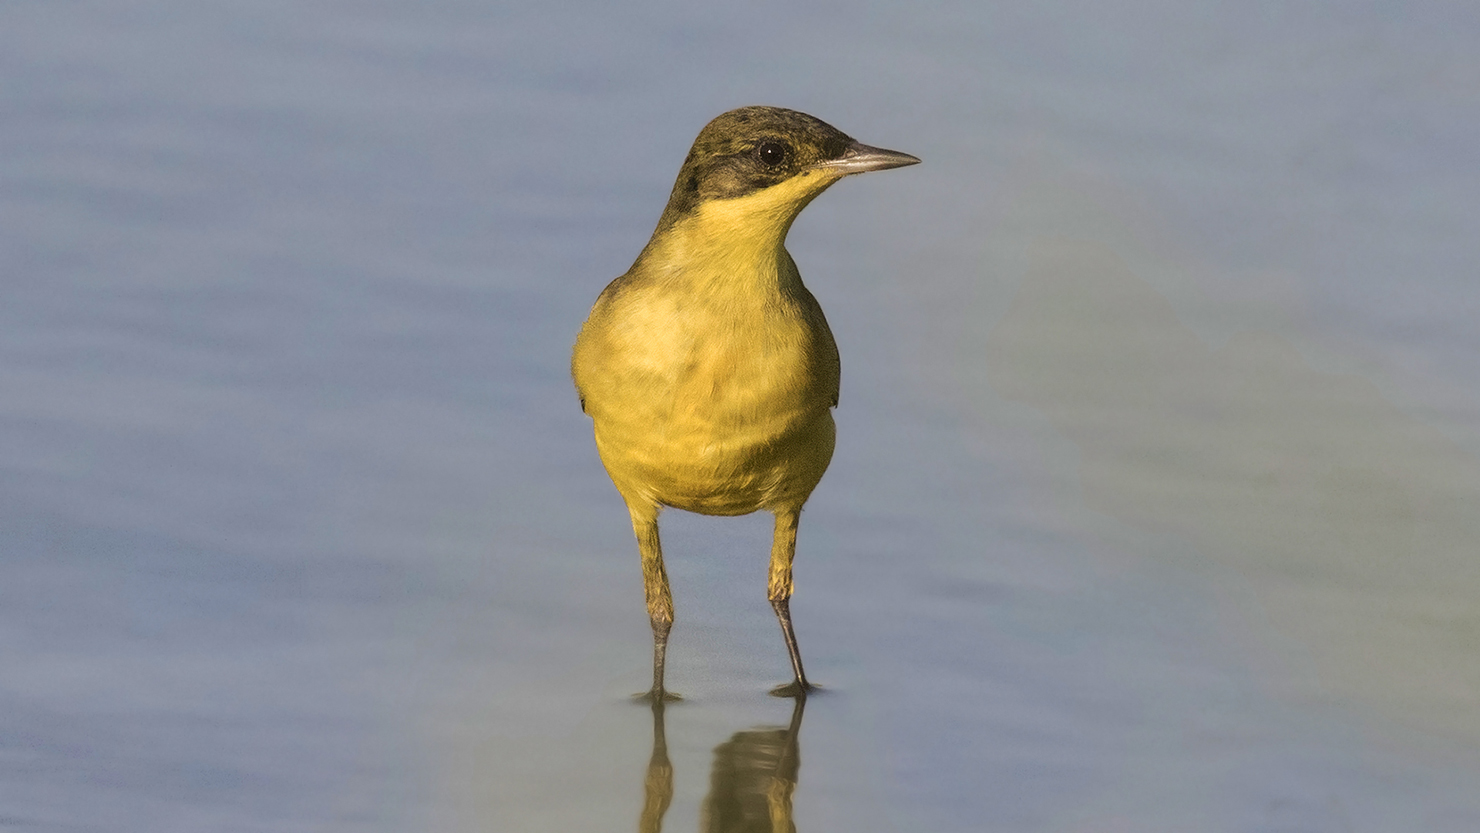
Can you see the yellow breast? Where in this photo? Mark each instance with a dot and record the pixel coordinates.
(710, 381)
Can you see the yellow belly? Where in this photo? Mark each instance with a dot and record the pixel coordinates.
(718, 470)
(700, 413)
(710, 385)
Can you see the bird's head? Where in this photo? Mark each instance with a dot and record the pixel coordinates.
(762, 165)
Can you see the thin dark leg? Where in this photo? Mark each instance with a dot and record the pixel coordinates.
(783, 551)
(659, 598)
(798, 686)
(660, 653)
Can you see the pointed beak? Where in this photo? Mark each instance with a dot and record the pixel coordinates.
(860, 158)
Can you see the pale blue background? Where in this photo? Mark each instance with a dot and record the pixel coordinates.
(1151, 505)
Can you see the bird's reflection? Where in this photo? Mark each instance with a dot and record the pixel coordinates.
(657, 787)
(750, 785)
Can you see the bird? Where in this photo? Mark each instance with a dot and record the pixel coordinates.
(708, 370)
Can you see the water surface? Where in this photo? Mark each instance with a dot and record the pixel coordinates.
(1152, 502)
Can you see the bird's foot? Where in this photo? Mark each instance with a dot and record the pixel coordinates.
(795, 688)
(657, 695)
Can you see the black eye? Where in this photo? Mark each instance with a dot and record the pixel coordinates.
(771, 153)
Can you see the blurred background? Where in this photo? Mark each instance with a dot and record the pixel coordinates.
(1153, 507)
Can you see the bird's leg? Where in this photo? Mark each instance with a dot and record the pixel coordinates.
(783, 550)
(659, 598)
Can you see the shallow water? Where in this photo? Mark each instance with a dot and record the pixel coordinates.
(1152, 502)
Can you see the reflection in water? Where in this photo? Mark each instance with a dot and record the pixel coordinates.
(657, 787)
(1353, 522)
(754, 775)
(750, 786)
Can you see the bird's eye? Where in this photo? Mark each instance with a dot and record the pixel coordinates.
(771, 154)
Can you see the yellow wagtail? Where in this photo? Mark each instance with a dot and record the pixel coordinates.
(708, 368)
